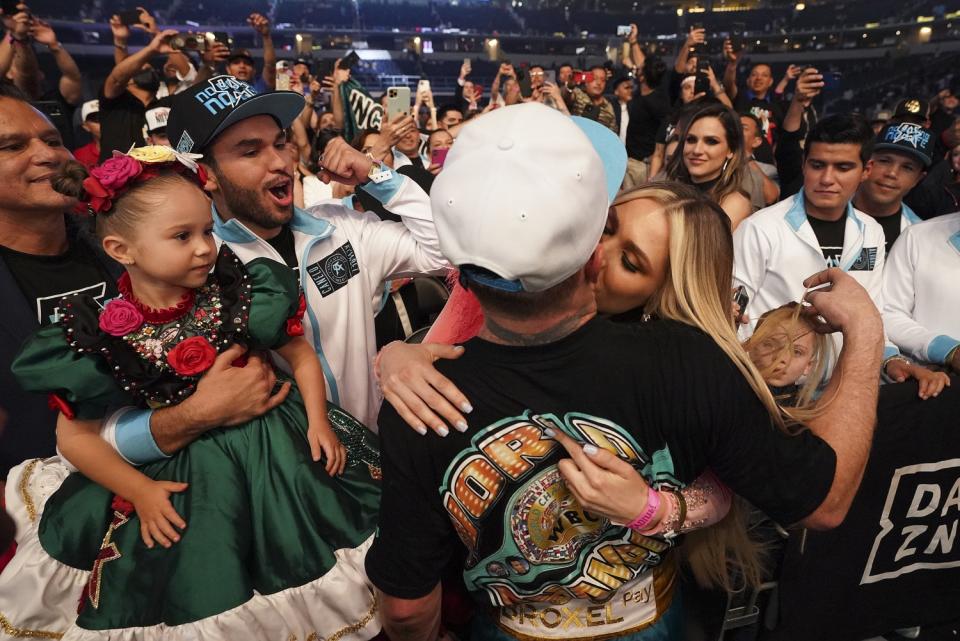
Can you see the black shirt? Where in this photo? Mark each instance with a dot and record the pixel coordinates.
(284, 244)
(647, 113)
(891, 228)
(44, 280)
(123, 121)
(830, 235)
(60, 112)
(661, 395)
(770, 113)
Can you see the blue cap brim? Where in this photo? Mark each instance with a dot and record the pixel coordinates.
(611, 151)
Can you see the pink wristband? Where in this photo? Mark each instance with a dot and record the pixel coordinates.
(643, 520)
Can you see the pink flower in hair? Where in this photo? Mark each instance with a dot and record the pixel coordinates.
(116, 172)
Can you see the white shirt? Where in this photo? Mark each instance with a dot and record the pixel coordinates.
(624, 121)
(921, 311)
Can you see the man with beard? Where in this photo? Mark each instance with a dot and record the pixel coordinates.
(341, 257)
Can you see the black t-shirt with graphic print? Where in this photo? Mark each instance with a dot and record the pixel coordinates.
(44, 280)
(662, 395)
(830, 235)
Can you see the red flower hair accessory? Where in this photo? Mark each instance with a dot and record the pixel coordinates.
(110, 179)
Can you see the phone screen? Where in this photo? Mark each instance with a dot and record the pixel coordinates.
(350, 60)
(128, 18)
(439, 156)
(284, 74)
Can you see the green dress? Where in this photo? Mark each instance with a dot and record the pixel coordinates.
(272, 542)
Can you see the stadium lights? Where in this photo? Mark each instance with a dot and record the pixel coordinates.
(800, 6)
(925, 32)
(680, 11)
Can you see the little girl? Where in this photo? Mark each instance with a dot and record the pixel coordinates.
(793, 358)
(257, 538)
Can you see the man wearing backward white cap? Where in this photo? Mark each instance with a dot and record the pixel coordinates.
(156, 133)
(520, 208)
(89, 153)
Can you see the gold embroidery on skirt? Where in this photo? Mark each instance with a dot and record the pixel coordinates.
(24, 633)
(350, 629)
(24, 494)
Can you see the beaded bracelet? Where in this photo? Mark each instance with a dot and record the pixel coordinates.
(643, 519)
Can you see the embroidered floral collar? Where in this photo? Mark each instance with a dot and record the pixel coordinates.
(150, 314)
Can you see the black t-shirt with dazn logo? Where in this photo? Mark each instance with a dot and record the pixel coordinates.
(660, 395)
(830, 234)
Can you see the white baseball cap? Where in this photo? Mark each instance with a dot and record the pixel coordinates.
(157, 118)
(89, 107)
(524, 194)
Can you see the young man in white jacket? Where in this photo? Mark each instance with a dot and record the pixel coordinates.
(921, 309)
(778, 247)
(342, 257)
(901, 156)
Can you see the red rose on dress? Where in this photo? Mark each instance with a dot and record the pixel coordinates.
(98, 195)
(120, 317)
(116, 172)
(192, 356)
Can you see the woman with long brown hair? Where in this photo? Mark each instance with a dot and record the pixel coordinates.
(711, 159)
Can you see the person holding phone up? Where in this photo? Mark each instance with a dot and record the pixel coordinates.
(19, 64)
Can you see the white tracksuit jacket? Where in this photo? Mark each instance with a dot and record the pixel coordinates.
(345, 256)
(776, 249)
(921, 310)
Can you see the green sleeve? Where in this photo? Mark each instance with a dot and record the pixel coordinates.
(47, 365)
(274, 298)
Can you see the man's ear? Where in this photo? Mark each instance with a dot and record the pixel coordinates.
(757, 142)
(212, 184)
(118, 249)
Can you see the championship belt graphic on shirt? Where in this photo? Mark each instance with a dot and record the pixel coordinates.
(545, 561)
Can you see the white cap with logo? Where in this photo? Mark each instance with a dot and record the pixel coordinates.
(157, 118)
(89, 107)
(524, 194)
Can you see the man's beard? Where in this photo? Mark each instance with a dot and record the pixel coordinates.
(247, 205)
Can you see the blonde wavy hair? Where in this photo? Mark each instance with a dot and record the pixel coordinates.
(697, 291)
(775, 335)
